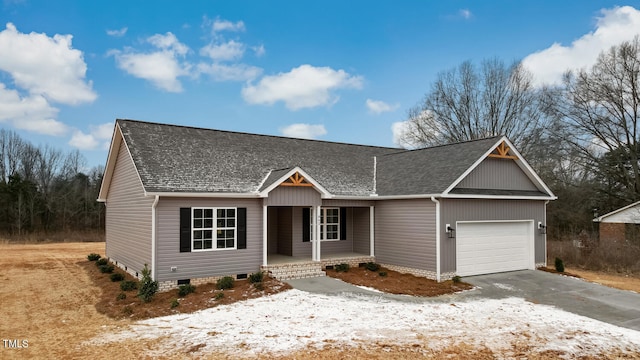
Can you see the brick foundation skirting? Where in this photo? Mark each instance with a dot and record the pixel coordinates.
(417, 272)
(173, 284)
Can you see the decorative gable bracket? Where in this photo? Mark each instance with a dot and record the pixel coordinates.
(502, 151)
(296, 180)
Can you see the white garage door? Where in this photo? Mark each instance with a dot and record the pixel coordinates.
(491, 247)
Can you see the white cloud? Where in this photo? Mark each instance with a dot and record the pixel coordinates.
(465, 13)
(117, 32)
(304, 131)
(378, 106)
(231, 50)
(162, 68)
(98, 135)
(233, 72)
(303, 87)
(226, 25)
(47, 66)
(259, 50)
(399, 129)
(613, 27)
(32, 113)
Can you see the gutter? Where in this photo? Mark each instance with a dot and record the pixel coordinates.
(437, 237)
(153, 237)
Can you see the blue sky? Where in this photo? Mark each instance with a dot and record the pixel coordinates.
(333, 70)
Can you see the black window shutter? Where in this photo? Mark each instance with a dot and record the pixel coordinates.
(306, 224)
(242, 227)
(185, 229)
(343, 223)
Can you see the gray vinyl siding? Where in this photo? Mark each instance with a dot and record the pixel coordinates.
(300, 248)
(346, 203)
(293, 196)
(405, 233)
(361, 228)
(205, 263)
(503, 174)
(128, 216)
(272, 230)
(453, 210)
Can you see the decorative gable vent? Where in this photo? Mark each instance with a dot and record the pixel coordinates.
(296, 180)
(503, 151)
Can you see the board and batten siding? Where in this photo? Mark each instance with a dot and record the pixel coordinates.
(128, 216)
(503, 174)
(405, 233)
(453, 210)
(200, 264)
(293, 196)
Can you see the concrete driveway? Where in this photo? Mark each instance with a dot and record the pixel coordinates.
(617, 307)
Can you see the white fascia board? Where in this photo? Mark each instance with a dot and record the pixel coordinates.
(497, 197)
(325, 194)
(600, 218)
(116, 139)
(204, 194)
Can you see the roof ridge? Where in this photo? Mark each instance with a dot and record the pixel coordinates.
(444, 145)
(254, 134)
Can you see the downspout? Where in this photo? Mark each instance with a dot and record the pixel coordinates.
(153, 237)
(437, 237)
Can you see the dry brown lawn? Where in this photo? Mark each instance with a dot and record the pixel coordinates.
(49, 299)
(614, 280)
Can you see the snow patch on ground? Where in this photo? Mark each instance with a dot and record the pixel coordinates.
(504, 286)
(369, 289)
(294, 320)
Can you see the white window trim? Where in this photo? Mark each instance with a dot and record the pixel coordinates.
(215, 228)
(323, 210)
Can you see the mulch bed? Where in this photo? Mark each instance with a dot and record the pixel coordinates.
(398, 283)
(205, 296)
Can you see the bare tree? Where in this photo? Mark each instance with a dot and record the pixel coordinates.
(601, 109)
(465, 103)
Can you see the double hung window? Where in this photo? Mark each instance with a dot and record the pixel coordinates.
(213, 228)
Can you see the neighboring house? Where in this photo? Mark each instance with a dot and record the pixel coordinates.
(197, 204)
(620, 225)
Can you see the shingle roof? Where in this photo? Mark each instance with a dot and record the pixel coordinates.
(173, 158)
(430, 170)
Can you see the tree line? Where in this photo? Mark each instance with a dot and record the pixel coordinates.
(43, 189)
(581, 136)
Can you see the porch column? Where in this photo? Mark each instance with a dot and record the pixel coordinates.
(317, 228)
(264, 235)
(314, 235)
(372, 237)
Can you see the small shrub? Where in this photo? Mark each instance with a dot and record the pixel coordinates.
(93, 257)
(259, 286)
(148, 287)
(456, 279)
(219, 295)
(128, 285)
(559, 265)
(371, 266)
(127, 310)
(106, 269)
(344, 267)
(382, 273)
(121, 296)
(174, 303)
(117, 277)
(102, 261)
(225, 283)
(186, 289)
(256, 277)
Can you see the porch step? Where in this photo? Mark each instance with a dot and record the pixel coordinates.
(294, 270)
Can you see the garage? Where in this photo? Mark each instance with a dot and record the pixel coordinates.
(494, 246)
